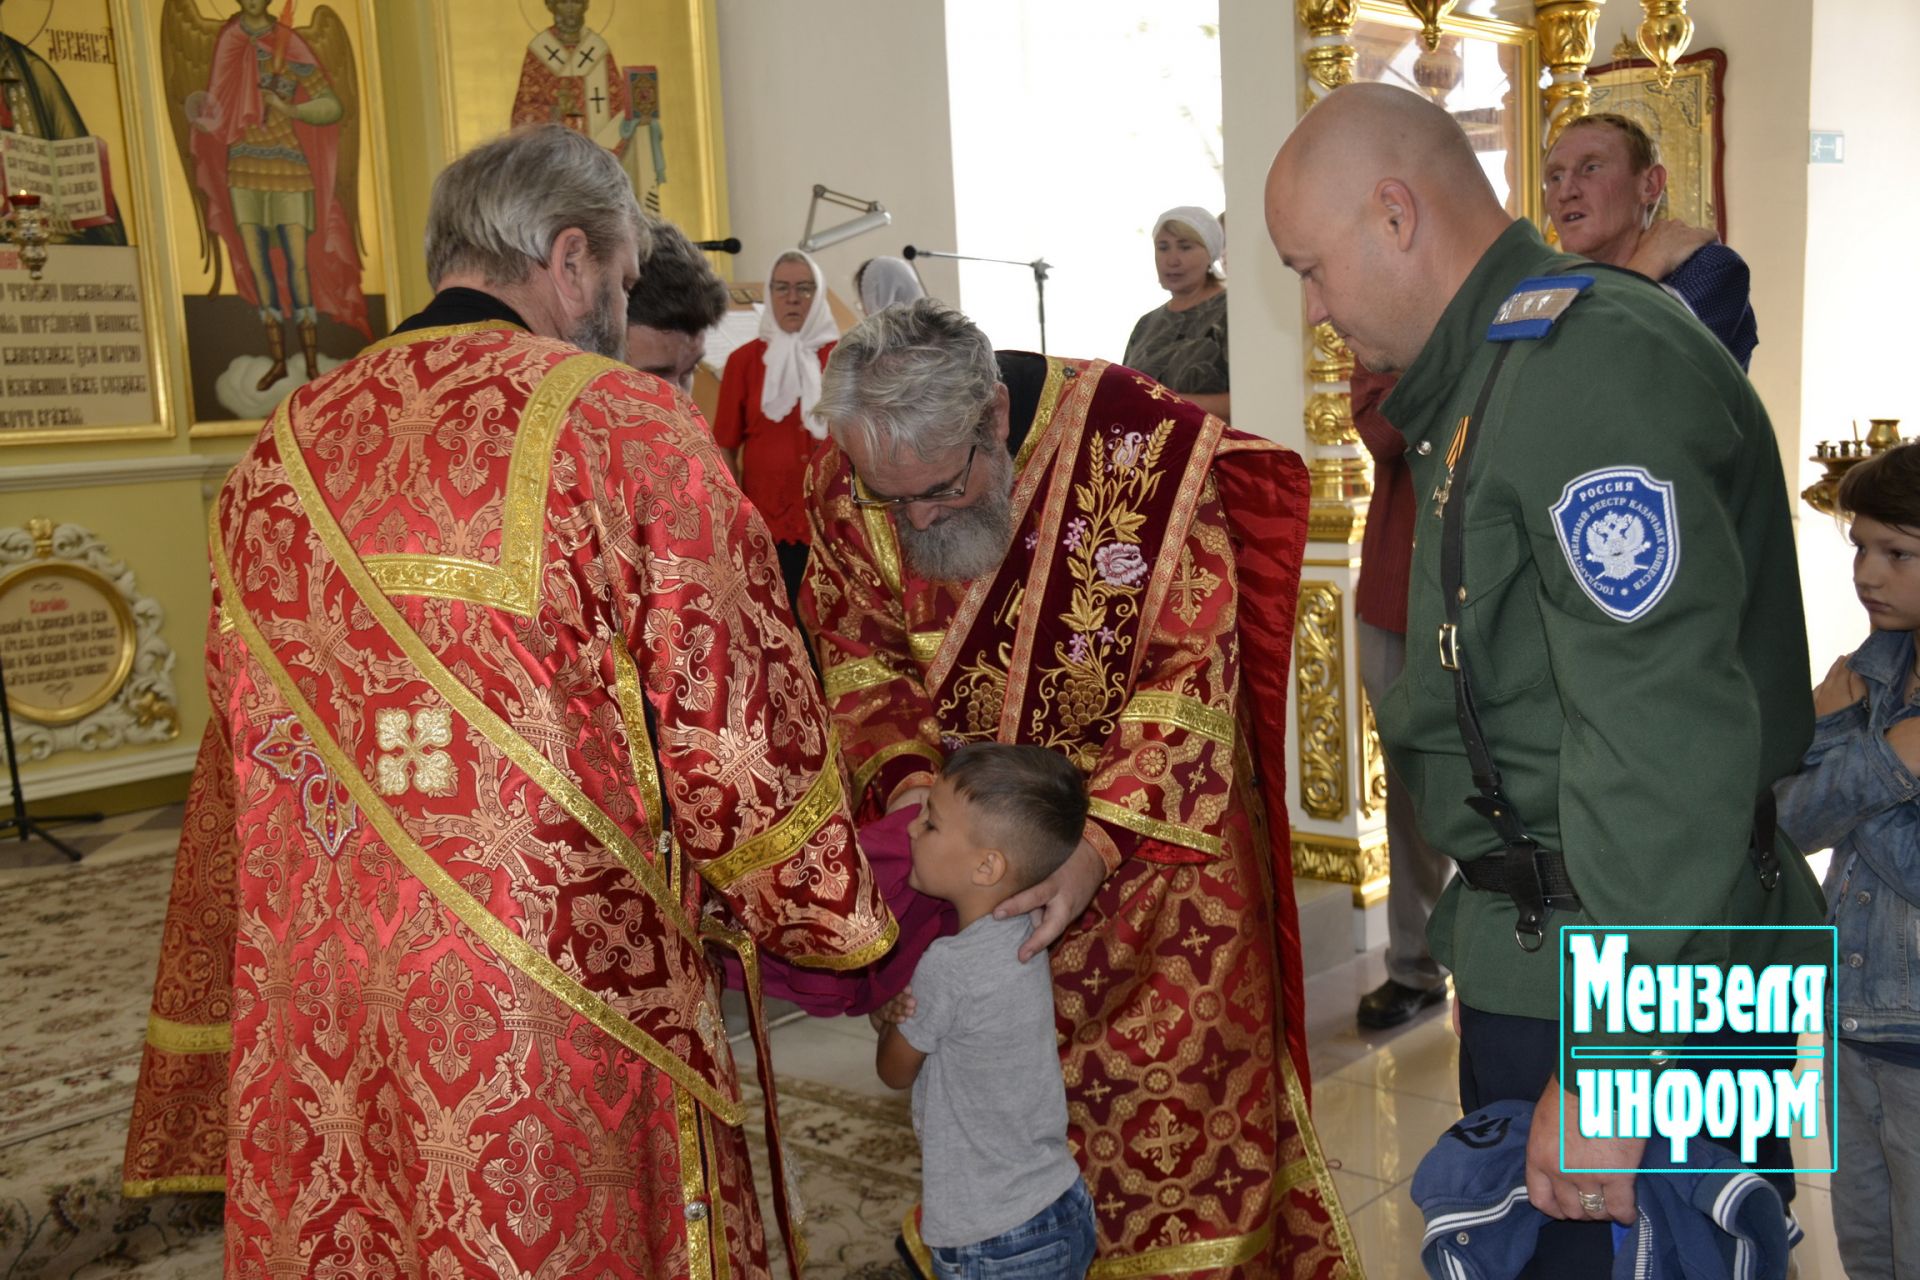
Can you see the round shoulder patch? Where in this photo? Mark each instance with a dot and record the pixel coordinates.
(1621, 535)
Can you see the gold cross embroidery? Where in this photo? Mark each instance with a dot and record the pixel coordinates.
(1191, 587)
(412, 740)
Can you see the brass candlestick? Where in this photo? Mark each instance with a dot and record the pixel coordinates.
(26, 225)
(1841, 456)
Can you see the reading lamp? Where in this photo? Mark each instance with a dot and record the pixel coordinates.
(872, 217)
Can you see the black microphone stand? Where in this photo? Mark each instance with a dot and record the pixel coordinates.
(20, 821)
(1039, 267)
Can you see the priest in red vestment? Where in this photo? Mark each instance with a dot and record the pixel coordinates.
(1016, 548)
(511, 733)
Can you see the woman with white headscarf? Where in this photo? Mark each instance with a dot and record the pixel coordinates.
(1183, 344)
(765, 416)
(881, 282)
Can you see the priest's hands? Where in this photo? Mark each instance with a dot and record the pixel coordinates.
(1057, 901)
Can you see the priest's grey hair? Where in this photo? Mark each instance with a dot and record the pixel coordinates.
(916, 375)
(498, 208)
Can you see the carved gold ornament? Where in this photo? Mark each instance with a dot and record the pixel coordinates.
(1431, 14)
(1361, 863)
(1320, 673)
(1664, 35)
(1373, 762)
(1566, 47)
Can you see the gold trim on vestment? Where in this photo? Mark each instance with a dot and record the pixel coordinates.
(1167, 564)
(1043, 412)
(863, 776)
(1201, 1255)
(851, 677)
(854, 959)
(224, 620)
(1160, 706)
(512, 585)
(182, 1184)
(786, 837)
(428, 666)
(693, 1190)
(169, 1036)
(1322, 1175)
(910, 1236)
(646, 771)
(885, 545)
(438, 333)
(509, 946)
(1153, 828)
(1059, 454)
(924, 645)
(444, 578)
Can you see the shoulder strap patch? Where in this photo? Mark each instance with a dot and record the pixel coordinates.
(1533, 306)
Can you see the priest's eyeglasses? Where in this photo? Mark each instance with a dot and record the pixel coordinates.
(946, 493)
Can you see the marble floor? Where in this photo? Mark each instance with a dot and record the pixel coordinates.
(1380, 1100)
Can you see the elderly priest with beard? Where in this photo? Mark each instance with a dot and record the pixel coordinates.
(1015, 548)
(510, 727)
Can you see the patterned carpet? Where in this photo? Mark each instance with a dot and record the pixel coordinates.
(78, 945)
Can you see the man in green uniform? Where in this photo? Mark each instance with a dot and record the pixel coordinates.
(1626, 602)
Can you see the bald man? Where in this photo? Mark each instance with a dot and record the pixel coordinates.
(1624, 604)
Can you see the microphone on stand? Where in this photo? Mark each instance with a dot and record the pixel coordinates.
(730, 245)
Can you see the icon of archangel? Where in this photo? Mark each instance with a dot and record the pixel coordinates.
(569, 76)
(266, 117)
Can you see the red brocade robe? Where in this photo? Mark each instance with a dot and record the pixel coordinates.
(1141, 624)
(510, 729)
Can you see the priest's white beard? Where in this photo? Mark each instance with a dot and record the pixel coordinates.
(967, 542)
(604, 331)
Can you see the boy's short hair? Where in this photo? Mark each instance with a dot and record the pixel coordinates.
(1885, 487)
(1034, 800)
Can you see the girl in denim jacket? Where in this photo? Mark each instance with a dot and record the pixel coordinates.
(1857, 793)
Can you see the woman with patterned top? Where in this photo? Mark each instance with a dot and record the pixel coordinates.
(1183, 344)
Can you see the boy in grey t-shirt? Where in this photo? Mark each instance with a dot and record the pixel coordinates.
(974, 1034)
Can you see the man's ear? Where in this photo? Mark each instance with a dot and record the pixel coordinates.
(1002, 418)
(1393, 205)
(567, 261)
(989, 868)
(1653, 185)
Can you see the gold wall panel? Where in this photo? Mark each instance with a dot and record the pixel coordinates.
(1319, 649)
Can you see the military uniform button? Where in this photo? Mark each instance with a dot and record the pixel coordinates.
(1426, 447)
(1863, 898)
(1855, 960)
(1463, 595)
(1849, 1024)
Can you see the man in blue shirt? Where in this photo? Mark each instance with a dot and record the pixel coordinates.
(1604, 185)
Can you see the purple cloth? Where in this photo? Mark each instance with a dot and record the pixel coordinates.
(828, 993)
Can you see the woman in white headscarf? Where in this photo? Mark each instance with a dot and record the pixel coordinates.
(881, 282)
(765, 416)
(1183, 344)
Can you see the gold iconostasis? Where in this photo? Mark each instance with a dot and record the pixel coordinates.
(235, 192)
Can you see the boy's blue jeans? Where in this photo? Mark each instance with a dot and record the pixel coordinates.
(1054, 1244)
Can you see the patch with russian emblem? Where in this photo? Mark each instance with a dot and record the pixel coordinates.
(1620, 532)
(1534, 305)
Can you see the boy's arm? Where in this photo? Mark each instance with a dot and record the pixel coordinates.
(897, 1061)
(1854, 778)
